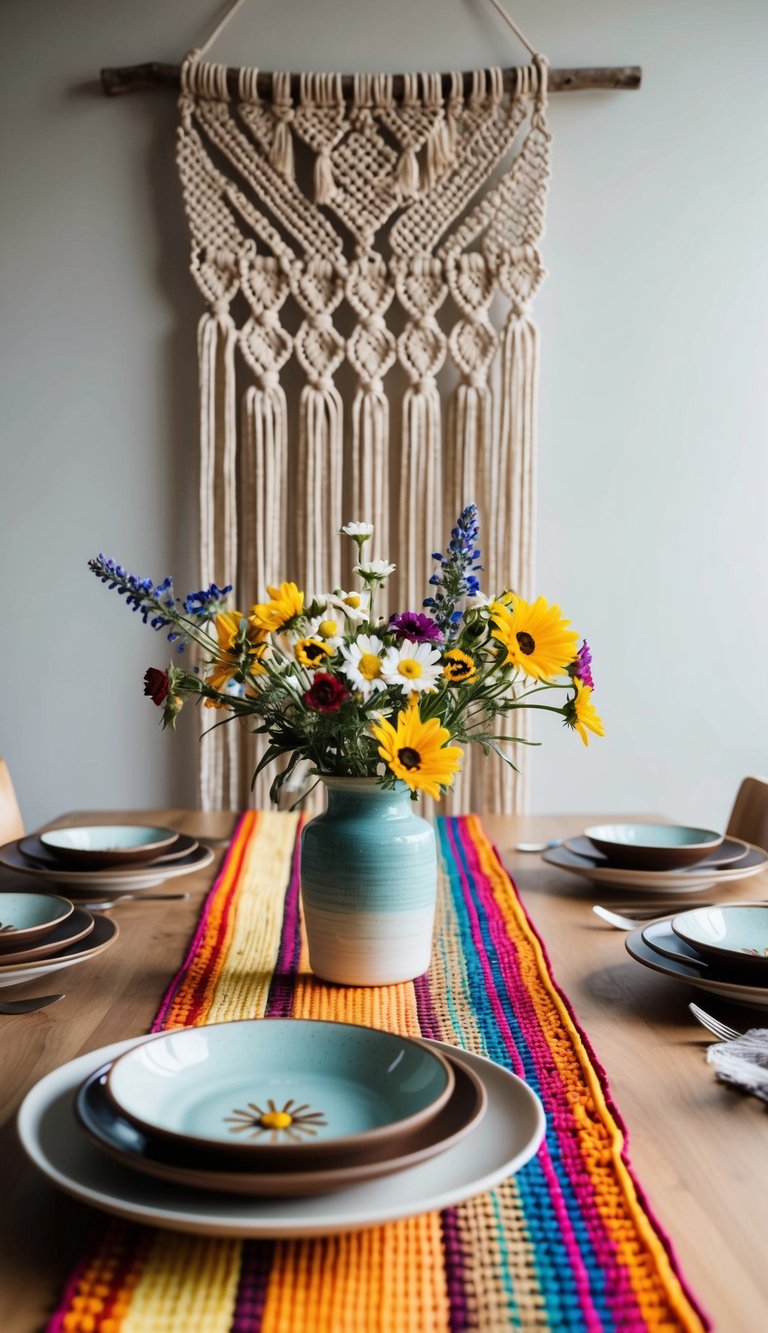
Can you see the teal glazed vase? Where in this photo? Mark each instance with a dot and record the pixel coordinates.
(368, 885)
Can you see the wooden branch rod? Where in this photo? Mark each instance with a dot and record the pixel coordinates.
(154, 74)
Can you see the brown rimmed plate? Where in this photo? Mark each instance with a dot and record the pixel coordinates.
(75, 927)
(212, 1171)
(104, 933)
(91, 884)
(102, 846)
(34, 849)
(26, 918)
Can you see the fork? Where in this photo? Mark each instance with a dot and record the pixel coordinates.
(28, 1006)
(718, 1029)
(132, 897)
(649, 914)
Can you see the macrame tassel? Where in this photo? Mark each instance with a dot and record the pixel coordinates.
(407, 174)
(218, 524)
(440, 152)
(421, 491)
(321, 457)
(325, 186)
(370, 471)
(281, 156)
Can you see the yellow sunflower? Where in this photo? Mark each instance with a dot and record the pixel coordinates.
(285, 603)
(417, 752)
(458, 667)
(536, 637)
(229, 662)
(581, 714)
(312, 652)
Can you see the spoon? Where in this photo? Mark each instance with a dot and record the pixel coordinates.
(28, 1006)
(537, 846)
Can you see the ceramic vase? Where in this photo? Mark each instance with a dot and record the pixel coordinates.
(368, 884)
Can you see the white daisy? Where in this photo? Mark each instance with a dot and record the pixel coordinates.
(329, 627)
(357, 530)
(363, 664)
(354, 605)
(415, 666)
(375, 571)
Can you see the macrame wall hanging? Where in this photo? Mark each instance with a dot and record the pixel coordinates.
(368, 264)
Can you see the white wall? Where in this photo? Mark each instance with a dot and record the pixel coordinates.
(653, 465)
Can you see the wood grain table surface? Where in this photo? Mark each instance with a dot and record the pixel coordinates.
(698, 1148)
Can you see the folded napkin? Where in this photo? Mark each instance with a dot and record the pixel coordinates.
(743, 1062)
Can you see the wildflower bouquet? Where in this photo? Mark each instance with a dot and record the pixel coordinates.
(330, 683)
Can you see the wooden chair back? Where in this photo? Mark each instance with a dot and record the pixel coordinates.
(11, 822)
(749, 816)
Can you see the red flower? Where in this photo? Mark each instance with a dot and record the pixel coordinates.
(156, 685)
(327, 693)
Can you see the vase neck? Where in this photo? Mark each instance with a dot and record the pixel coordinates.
(349, 794)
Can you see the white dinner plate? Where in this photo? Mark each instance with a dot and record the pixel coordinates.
(104, 933)
(505, 1139)
(755, 997)
(658, 881)
(105, 883)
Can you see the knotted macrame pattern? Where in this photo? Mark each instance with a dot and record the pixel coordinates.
(367, 352)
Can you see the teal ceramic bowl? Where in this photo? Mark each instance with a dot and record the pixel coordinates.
(733, 935)
(286, 1093)
(26, 918)
(649, 846)
(96, 846)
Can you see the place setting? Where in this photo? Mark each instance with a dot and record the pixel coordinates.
(278, 1127)
(106, 861)
(41, 933)
(660, 858)
(720, 948)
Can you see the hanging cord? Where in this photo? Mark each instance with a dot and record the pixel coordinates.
(521, 37)
(220, 26)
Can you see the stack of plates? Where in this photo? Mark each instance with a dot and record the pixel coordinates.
(279, 1127)
(722, 949)
(103, 861)
(42, 933)
(657, 858)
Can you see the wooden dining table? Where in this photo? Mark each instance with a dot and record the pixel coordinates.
(698, 1147)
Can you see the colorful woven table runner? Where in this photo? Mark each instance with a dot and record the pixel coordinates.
(568, 1243)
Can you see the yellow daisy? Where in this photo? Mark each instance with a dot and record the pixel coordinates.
(459, 667)
(581, 714)
(536, 637)
(285, 603)
(231, 653)
(312, 652)
(417, 752)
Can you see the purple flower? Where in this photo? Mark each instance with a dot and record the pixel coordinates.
(415, 627)
(582, 666)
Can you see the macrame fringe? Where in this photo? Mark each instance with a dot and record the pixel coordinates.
(511, 506)
(218, 521)
(421, 491)
(321, 467)
(470, 431)
(370, 470)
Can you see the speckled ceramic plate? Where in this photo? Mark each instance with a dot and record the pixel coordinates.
(26, 918)
(694, 973)
(102, 846)
(208, 1169)
(104, 933)
(75, 927)
(694, 880)
(35, 851)
(505, 1139)
(282, 1093)
(105, 883)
